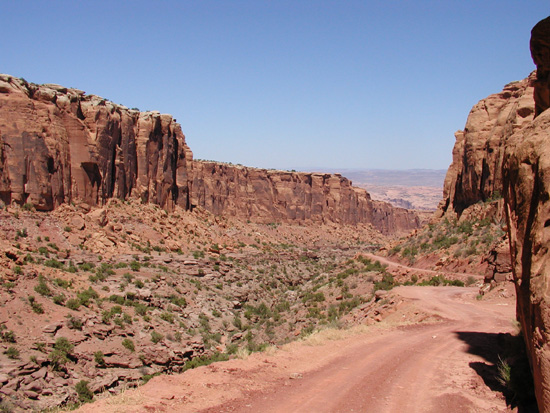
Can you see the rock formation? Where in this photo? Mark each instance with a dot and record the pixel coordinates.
(271, 196)
(540, 51)
(527, 189)
(504, 149)
(58, 145)
(475, 173)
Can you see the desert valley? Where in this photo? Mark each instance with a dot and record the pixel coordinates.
(135, 278)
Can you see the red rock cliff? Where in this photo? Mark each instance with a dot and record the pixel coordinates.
(475, 173)
(58, 145)
(526, 175)
(280, 196)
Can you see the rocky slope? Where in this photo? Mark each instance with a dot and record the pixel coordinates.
(272, 196)
(58, 145)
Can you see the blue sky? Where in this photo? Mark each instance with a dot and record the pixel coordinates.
(284, 84)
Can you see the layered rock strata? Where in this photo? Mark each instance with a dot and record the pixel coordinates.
(271, 196)
(527, 195)
(58, 145)
(475, 173)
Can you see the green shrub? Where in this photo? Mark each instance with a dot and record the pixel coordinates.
(12, 353)
(156, 337)
(60, 353)
(53, 263)
(87, 266)
(129, 344)
(36, 307)
(135, 266)
(85, 395)
(85, 296)
(42, 288)
(62, 283)
(99, 358)
(386, 283)
(59, 299)
(74, 323)
(73, 304)
(8, 336)
(205, 360)
(168, 317)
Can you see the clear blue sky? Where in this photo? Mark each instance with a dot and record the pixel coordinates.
(284, 84)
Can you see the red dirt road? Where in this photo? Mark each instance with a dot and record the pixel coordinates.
(437, 367)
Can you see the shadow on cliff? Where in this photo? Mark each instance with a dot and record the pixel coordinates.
(505, 369)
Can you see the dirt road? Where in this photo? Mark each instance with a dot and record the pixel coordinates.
(420, 271)
(447, 366)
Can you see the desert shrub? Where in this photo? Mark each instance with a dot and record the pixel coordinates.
(12, 353)
(53, 263)
(8, 336)
(176, 300)
(135, 266)
(59, 299)
(386, 283)
(73, 304)
(74, 323)
(85, 395)
(129, 344)
(22, 233)
(156, 337)
(87, 266)
(36, 307)
(85, 296)
(168, 317)
(42, 287)
(60, 353)
(62, 283)
(140, 309)
(53, 246)
(99, 358)
(205, 360)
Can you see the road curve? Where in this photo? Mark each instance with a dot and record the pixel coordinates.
(419, 368)
(436, 367)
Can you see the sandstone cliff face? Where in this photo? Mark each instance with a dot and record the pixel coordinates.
(475, 173)
(527, 196)
(58, 145)
(280, 196)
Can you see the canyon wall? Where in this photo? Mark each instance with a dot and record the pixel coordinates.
(282, 196)
(58, 145)
(527, 195)
(475, 173)
(504, 149)
(526, 174)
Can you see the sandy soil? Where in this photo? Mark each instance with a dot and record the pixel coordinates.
(394, 366)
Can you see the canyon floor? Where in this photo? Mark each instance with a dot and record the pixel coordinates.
(436, 352)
